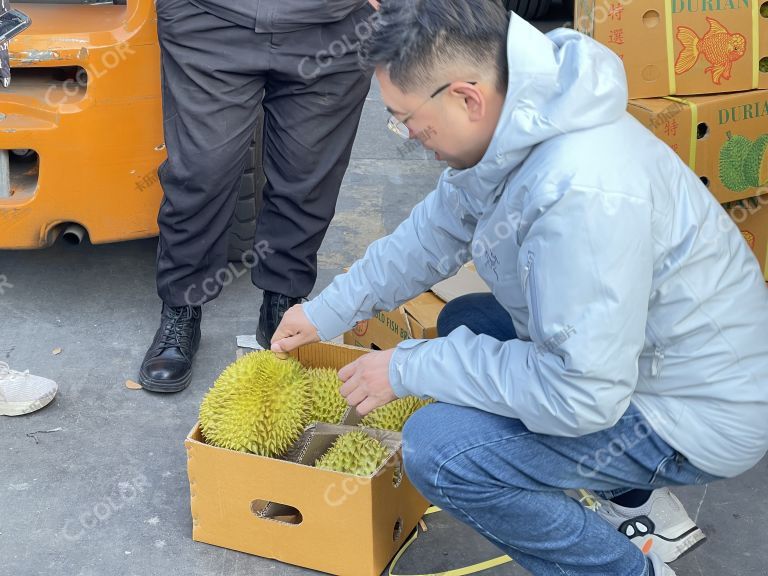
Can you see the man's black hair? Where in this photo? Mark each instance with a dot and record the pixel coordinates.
(414, 40)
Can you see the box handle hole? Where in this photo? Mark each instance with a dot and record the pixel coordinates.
(397, 532)
(705, 181)
(764, 9)
(651, 19)
(764, 64)
(702, 130)
(276, 512)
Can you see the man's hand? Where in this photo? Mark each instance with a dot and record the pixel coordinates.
(294, 331)
(375, 3)
(366, 382)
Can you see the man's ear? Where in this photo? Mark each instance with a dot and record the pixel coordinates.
(474, 100)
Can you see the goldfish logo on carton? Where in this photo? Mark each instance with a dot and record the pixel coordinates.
(718, 46)
(361, 328)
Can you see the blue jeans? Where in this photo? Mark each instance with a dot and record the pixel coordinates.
(506, 482)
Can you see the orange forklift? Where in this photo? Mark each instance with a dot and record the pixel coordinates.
(81, 127)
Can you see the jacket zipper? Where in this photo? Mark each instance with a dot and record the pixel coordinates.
(658, 361)
(658, 354)
(533, 293)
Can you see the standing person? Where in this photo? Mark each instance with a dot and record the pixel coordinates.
(623, 346)
(221, 60)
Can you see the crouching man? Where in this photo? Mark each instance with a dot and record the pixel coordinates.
(623, 349)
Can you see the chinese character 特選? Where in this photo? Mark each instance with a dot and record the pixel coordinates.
(616, 36)
(615, 11)
(670, 127)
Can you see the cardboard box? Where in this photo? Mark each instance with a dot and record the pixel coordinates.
(414, 319)
(327, 521)
(418, 317)
(751, 216)
(723, 138)
(681, 47)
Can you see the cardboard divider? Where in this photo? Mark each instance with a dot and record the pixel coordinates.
(316, 440)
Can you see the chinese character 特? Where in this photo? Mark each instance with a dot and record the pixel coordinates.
(670, 127)
(615, 11)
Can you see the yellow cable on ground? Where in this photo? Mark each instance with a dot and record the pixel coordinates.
(473, 569)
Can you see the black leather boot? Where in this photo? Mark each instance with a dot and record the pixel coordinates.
(273, 306)
(167, 367)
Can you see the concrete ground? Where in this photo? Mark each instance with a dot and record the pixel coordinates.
(106, 493)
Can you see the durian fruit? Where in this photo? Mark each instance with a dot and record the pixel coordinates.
(354, 453)
(328, 405)
(259, 404)
(732, 156)
(393, 416)
(755, 163)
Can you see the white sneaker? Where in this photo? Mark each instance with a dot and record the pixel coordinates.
(660, 525)
(659, 567)
(22, 393)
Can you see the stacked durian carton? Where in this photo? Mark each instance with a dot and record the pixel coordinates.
(698, 78)
(279, 466)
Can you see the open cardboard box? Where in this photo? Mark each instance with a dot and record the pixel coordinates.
(416, 318)
(327, 521)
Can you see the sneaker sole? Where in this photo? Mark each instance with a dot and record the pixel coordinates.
(21, 408)
(671, 549)
(164, 386)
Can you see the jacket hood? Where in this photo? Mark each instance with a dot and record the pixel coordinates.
(558, 82)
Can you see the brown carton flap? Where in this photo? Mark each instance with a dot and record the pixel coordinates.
(424, 309)
(466, 281)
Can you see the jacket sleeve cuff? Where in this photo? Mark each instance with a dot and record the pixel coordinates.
(323, 317)
(401, 385)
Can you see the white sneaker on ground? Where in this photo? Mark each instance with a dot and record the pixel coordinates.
(22, 393)
(659, 567)
(661, 525)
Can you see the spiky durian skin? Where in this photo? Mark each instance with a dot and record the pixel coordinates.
(354, 453)
(755, 163)
(732, 156)
(259, 404)
(394, 415)
(328, 405)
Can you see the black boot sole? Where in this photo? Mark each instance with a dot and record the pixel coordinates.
(164, 386)
(262, 340)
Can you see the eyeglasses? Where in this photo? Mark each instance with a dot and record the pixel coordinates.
(400, 127)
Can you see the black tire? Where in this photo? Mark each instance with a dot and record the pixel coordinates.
(243, 227)
(529, 9)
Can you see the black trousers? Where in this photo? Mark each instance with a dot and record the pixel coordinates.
(215, 74)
